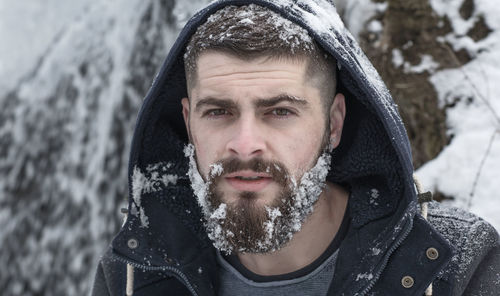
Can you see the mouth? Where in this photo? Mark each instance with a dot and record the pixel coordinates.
(248, 180)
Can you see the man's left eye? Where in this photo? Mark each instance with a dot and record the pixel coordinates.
(281, 112)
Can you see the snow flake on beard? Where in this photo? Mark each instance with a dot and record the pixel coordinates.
(278, 228)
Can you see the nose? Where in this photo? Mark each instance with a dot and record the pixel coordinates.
(247, 140)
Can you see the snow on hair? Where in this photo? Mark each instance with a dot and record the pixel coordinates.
(252, 31)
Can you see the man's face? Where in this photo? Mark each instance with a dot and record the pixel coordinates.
(263, 123)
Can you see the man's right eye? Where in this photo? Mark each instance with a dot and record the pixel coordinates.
(216, 112)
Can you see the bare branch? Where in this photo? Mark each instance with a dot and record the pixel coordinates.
(481, 165)
(474, 87)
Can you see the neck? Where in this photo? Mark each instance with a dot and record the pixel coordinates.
(310, 242)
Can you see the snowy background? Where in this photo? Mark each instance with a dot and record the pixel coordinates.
(72, 77)
(469, 168)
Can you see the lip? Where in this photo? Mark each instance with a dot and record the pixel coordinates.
(248, 185)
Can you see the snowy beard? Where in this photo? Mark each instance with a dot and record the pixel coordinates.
(245, 227)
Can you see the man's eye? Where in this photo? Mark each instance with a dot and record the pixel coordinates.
(281, 112)
(216, 112)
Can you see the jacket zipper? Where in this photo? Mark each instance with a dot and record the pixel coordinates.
(175, 272)
(409, 227)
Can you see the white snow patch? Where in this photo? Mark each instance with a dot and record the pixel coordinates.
(272, 214)
(143, 217)
(142, 184)
(397, 58)
(247, 21)
(375, 26)
(375, 251)
(427, 63)
(138, 181)
(199, 186)
(307, 193)
(364, 276)
(374, 195)
(220, 212)
(216, 170)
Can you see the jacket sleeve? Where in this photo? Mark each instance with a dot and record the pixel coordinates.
(486, 278)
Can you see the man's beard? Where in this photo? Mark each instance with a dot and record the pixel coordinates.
(244, 226)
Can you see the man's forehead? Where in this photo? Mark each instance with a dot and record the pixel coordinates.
(263, 81)
(217, 71)
(210, 58)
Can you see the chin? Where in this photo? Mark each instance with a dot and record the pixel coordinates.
(251, 198)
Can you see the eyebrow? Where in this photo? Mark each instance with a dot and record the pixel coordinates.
(222, 103)
(260, 103)
(263, 103)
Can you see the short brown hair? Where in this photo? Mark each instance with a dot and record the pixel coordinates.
(252, 31)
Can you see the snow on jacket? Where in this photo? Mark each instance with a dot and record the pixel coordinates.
(390, 249)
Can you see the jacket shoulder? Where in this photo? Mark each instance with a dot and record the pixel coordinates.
(474, 241)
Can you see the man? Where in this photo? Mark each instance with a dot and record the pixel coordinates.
(269, 159)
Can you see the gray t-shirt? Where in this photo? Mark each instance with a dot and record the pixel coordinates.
(314, 279)
(317, 282)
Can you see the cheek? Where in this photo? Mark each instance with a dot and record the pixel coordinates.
(200, 145)
(206, 147)
(302, 150)
(302, 159)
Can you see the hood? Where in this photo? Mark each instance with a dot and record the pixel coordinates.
(373, 158)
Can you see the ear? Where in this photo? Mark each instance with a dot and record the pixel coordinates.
(185, 113)
(337, 116)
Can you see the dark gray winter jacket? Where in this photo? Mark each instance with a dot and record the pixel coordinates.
(390, 249)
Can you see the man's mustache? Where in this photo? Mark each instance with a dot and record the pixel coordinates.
(275, 169)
